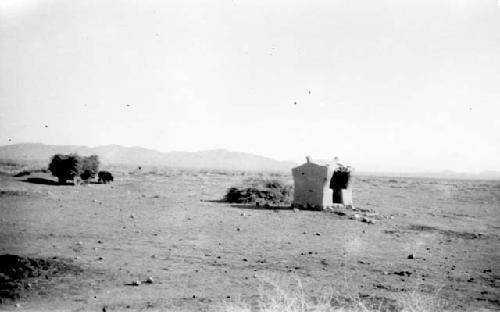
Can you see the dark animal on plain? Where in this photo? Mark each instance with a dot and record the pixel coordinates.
(105, 177)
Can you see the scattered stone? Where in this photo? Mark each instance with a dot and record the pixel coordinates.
(132, 216)
(391, 217)
(317, 234)
(149, 280)
(411, 256)
(295, 210)
(238, 229)
(99, 242)
(245, 260)
(18, 305)
(136, 283)
(100, 258)
(402, 273)
(355, 217)
(487, 271)
(194, 296)
(228, 297)
(242, 214)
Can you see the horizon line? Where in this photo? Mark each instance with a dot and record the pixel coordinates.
(364, 171)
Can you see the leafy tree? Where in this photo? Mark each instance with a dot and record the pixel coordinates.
(90, 166)
(65, 167)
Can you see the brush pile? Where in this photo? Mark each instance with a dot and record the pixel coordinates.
(261, 192)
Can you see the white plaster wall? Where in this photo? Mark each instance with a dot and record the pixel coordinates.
(312, 185)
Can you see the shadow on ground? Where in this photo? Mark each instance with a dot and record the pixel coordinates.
(250, 206)
(42, 181)
(262, 207)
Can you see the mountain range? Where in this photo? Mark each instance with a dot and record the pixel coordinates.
(208, 159)
(139, 156)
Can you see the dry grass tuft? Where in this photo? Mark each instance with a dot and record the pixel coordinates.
(277, 294)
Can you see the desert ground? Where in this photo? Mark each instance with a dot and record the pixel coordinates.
(86, 246)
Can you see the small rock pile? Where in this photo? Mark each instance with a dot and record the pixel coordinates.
(353, 213)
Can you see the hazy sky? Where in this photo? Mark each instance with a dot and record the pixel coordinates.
(390, 85)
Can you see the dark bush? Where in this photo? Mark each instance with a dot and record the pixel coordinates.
(341, 177)
(85, 175)
(340, 180)
(105, 177)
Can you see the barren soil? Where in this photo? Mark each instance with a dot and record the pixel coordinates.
(94, 241)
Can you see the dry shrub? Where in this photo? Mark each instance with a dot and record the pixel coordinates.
(418, 302)
(278, 294)
(262, 191)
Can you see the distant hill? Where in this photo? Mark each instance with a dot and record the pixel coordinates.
(209, 159)
(446, 175)
(138, 156)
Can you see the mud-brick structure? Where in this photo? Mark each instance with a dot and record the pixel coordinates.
(312, 186)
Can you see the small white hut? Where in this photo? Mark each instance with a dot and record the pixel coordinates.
(312, 186)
